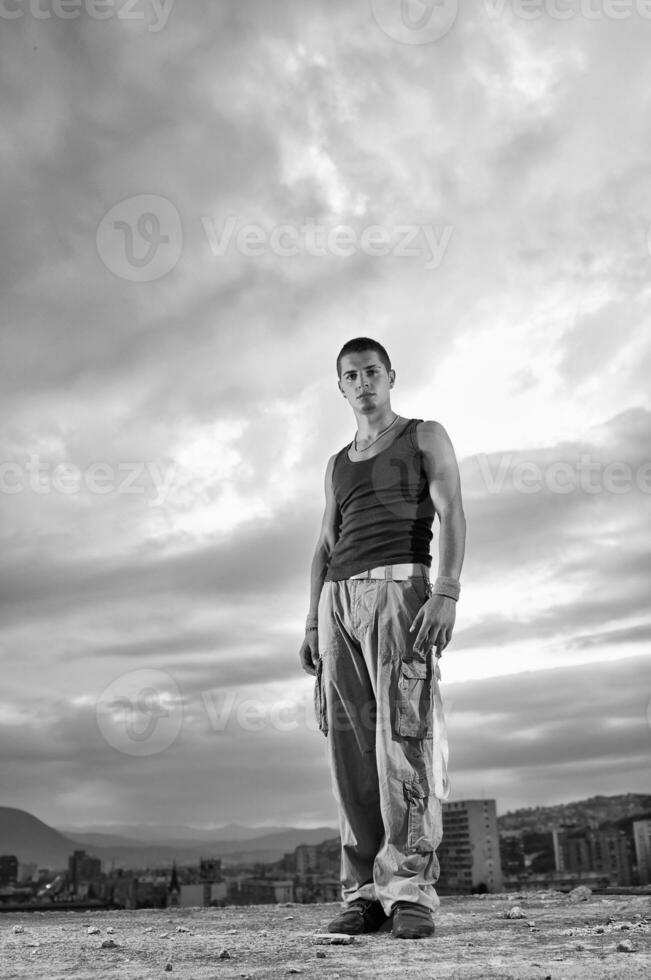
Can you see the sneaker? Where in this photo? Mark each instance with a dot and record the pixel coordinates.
(361, 915)
(412, 921)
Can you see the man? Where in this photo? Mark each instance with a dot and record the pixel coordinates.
(373, 622)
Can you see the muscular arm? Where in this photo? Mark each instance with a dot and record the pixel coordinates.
(325, 544)
(445, 490)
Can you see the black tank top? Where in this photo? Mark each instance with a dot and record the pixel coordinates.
(386, 508)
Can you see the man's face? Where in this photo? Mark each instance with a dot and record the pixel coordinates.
(364, 381)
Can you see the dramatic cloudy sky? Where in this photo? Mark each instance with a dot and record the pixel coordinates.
(202, 201)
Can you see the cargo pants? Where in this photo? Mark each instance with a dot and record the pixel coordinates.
(373, 700)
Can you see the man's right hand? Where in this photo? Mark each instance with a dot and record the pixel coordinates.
(309, 653)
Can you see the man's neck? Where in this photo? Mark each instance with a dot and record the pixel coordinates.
(370, 425)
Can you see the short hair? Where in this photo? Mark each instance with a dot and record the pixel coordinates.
(359, 344)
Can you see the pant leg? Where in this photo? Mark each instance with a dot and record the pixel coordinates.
(347, 713)
(406, 867)
(377, 711)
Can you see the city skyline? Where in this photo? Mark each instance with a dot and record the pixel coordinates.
(166, 430)
(601, 842)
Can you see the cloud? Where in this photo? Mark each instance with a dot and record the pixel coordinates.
(529, 342)
(538, 737)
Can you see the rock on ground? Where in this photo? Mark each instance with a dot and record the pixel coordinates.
(602, 937)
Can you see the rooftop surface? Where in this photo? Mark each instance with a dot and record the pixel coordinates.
(601, 937)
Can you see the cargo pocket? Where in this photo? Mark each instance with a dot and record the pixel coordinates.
(319, 698)
(419, 819)
(414, 701)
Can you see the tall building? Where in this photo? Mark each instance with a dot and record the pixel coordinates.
(604, 852)
(512, 853)
(642, 839)
(210, 869)
(26, 871)
(83, 869)
(469, 854)
(306, 858)
(202, 894)
(322, 858)
(541, 851)
(8, 869)
(262, 891)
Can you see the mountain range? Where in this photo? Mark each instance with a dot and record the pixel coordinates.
(157, 846)
(594, 812)
(32, 840)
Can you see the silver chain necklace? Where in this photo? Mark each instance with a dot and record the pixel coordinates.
(376, 438)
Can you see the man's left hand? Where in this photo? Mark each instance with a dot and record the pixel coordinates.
(434, 623)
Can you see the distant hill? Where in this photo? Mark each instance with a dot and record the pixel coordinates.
(266, 848)
(30, 839)
(592, 812)
(164, 833)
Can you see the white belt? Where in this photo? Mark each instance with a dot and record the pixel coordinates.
(407, 570)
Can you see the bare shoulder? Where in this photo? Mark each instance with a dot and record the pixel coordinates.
(431, 434)
(436, 447)
(441, 466)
